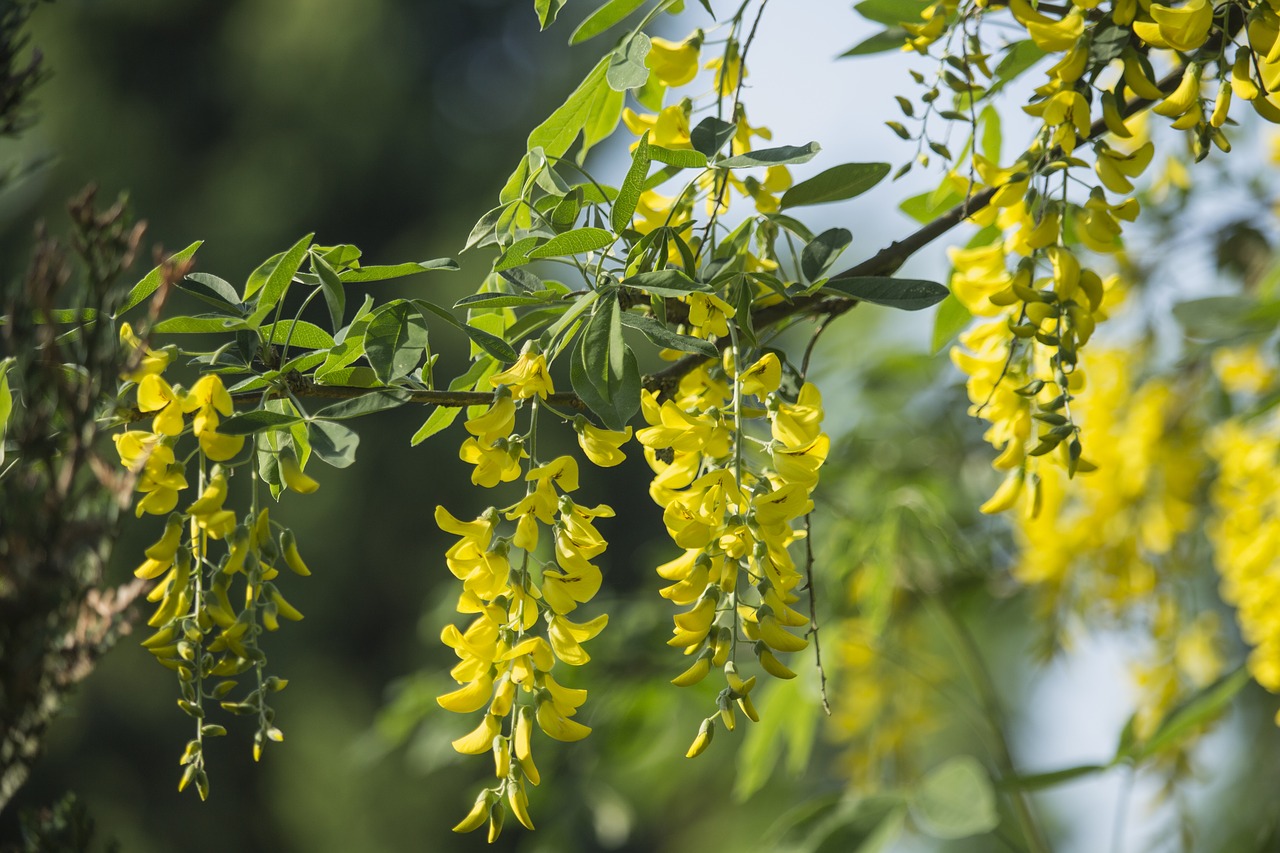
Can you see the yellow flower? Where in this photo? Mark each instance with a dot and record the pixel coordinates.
(526, 378)
(291, 474)
(498, 463)
(669, 128)
(674, 64)
(157, 395)
(209, 399)
(710, 314)
(798, 424)
(1184, 28)
(728, 69)
(1244, 369)
(497, 422)
(153, 362)
(601, 446)
(763, 377)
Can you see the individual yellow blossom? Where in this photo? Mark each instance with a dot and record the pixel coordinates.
(674, 64)
(763, 377)
(292, 476)
(669, 128)
(496, 422)
(209, 401)
(1184, 28)
(709, 314)
(601, 446)
(1050, 35)
(156, 395)
(526, 378)
(728, 69)
(151, 363)
(494, 464)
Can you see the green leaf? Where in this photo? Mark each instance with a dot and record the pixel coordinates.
(565, 213)
(955, 800)
(926, 207)
(604, 18)
(991, 136)
(153, 279)
(547, 11)
(624, 207)
(574, 242)
(516, 254)
(1053, 778)
(821, 252)
(783, 154)
(1200, 709)
(836, 184)
(624, 395)
(490, 343)
(384, 273)
(1219, 318)
(6, 402)
(604, 111)
(662, 336)
(333, 443)
(335, 296)
(201, 324)
(556, 134)
(503, 300)
(211, 289)
(891, 12)
(257, 421)
(1020, 56)
(667, 282)
(352, 377)
(787, 721)
(395, 340)
(626, 64)
(885, 40)
(681, 158)
(278, 281)
(904, 293)
(598, 344)
(374, 401)
(950, 320)
(298, 333)
(711, 134)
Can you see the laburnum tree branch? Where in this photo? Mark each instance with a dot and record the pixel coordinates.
(885, 262)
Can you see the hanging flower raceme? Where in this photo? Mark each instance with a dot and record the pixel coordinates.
(207, 557)
(506, 665)
(731, 509)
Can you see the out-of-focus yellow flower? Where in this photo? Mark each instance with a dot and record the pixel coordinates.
(728, 69)
(151, 363)
(1244, 369)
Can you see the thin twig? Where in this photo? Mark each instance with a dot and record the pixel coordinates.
(808, 547)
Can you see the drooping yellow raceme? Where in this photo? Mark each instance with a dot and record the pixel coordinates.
(1245, 535)
(508, 587)
(732, 511)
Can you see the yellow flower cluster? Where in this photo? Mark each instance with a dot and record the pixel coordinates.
(731, 509)
(1245, 535)
(888, 704)
(200, 633)
(1106, 547)
(505, 666)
